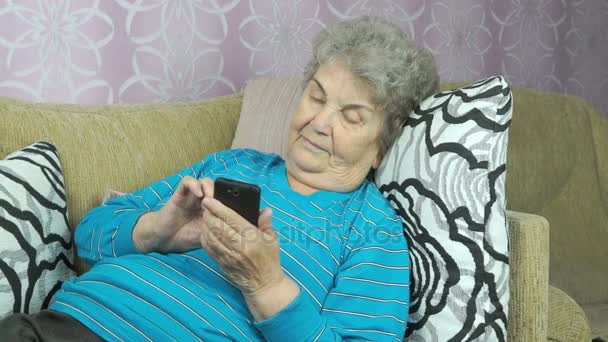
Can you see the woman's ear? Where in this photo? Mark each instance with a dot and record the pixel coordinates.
(377, 161)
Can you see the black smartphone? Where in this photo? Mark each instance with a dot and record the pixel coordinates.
(242, 197)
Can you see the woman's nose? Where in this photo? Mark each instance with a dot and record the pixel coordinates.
(321, 122)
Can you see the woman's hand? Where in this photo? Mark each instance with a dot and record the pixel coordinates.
(176, 227)
(249, 256)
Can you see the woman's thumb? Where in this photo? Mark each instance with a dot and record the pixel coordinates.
(265, 220)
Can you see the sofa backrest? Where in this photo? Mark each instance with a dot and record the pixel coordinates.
(119, 147)
(557, 163)
(557, 167)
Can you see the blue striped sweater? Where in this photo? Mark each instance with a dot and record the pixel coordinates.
(346, 252)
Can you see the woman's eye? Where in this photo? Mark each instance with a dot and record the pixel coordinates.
(317, 99)
(351, 116)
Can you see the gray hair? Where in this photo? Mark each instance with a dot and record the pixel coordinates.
(399, 74)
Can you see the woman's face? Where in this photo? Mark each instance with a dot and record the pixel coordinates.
(333, 137)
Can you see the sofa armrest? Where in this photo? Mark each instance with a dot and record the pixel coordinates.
(529, 282)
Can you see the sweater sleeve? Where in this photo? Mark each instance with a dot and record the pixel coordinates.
(107, 231)
(369, 300)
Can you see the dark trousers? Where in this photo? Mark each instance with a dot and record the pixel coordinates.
(47, 325)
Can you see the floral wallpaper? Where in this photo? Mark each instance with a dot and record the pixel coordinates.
(92, 51)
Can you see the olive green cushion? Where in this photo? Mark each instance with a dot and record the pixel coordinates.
(557, 167)
(567, 321)
(121, 147)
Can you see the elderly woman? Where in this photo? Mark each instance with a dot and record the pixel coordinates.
(328, 259)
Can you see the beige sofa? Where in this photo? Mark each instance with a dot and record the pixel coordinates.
(125, 147)
(558, 168)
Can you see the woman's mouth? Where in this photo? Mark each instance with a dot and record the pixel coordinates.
(312, 146)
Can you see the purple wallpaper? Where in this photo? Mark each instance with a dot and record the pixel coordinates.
(88, 51)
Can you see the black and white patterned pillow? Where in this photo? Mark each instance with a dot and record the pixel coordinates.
(446, 178)
(35, 242)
